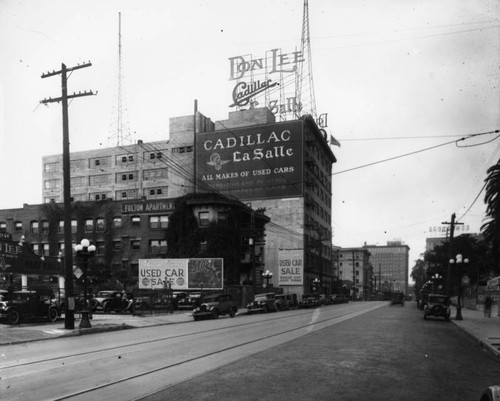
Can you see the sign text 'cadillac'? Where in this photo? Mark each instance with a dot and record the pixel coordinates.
(291, 267)
(253, 162)
(181, 274)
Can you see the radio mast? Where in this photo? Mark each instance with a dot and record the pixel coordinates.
(304, 84)
(120, 130)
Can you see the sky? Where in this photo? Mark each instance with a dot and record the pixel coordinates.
(396, 77)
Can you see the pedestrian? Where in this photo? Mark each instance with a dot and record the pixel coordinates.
(487, 306)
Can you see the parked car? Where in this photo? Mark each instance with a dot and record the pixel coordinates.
(110, 300)
(263, 303)
(28, 304)
(437, 305)
(282, 302)
(310, 301)
(189, 302)
(215, 305)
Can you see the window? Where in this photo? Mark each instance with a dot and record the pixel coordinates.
(158, 222)
(117, 245)
(155, 174)
(99, 180)
(203, 246)
(77, 182)
(100, 224)
(36, 249)
(135, 244)
(135, 221)
(35, 228)
(222, 218)
(45, 248)
(129, 194)
(130, 176)
(89, 225)
(77, 165)
(3, 226)
(98, 162)
(51, 167)
(45, 227)
(117, 222)
(203, 219)
(18, 226)
(100, 247)
(74, 226)
(52, 184)
(158, 246)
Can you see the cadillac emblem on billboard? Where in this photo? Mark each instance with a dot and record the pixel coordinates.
(253, 162)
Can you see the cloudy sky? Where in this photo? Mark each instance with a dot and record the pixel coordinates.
(395, 77)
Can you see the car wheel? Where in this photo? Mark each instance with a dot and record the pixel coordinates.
(196, 318)
(53, 314)
(232, 312)
(106, 308)
(13, 317)
(215, 314)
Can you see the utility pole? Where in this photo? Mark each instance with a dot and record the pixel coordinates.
(69, 317)
(450, 252)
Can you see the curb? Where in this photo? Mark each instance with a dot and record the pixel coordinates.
(485, 345)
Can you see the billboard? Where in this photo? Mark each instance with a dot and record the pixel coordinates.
(182, 274)
(257, 162)
(291, 267)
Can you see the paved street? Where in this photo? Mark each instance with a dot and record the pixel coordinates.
(375, 353)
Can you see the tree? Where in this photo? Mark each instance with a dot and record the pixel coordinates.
(491, 229)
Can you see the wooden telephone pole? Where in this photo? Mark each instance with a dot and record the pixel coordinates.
(452, 224)
(69, 319)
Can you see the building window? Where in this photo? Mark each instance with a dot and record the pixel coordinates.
(45, 248)
(45, 226)
(135, 244)
(222, 218)
(158, 246)
(36, 249)
(3, 227)
(155, 174)
(35, 228)
(203, 246)
(89, 225)
(100, 247)
(52, 184)
(51, 167)
(99, 180)
(117, 222)
(203, 219)
(100, 224)
(158, 222)
(18, 226)
(135, 221)
(117, 245)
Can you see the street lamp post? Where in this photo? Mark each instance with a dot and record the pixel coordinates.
(436, 277)
(267, 275)
(84, 251)
(316, 282)
(459, 261)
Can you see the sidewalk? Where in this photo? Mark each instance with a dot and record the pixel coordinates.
(484, 330)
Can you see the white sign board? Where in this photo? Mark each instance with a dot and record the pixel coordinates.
(182, 274)
(291, 267)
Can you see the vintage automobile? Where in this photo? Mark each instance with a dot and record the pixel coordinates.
(310, 301)
(398, 298)
(263, 303)
(189, 302)
(21, 305)
(282, 303)
(215, 305)
(437, 305)
(110, 300)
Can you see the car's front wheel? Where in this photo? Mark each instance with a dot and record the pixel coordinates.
(106, 308)
(215, 314)
(53, 314)
(13, 316)
(232, 311)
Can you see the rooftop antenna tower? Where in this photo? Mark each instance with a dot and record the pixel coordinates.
(120, 130)
(304, 84)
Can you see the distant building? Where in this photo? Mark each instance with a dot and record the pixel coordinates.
(390, 266)
(355, 272)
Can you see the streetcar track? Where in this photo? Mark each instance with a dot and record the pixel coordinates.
(220, 351)
(170, 337)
